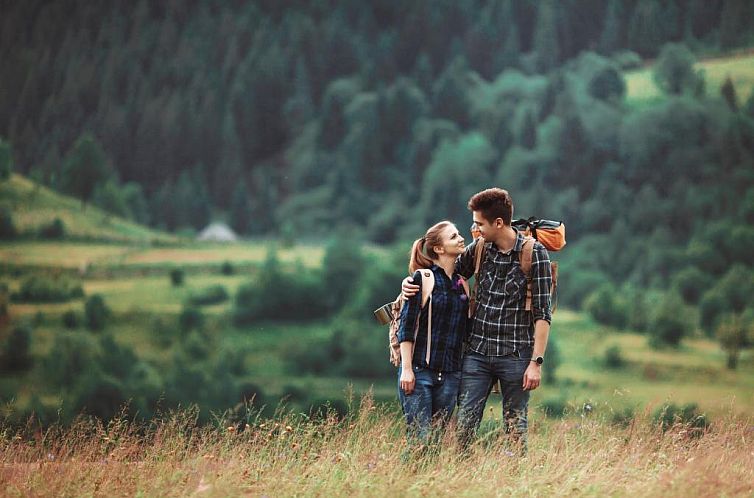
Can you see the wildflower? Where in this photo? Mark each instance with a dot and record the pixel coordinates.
(231, 428)
(288, 428)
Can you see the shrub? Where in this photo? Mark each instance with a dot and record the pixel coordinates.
(607, 307)
(100, 396)
(214, 294)
(70, 319)
(613, 357)
(670, 322)
(44, 289)
(71, 355)
(733, 336)
(7, 227)
(342, 266)
(96, 313)
(177, 277)
(622, 417)
(552, 361)
(281, 295)
(227, 268)
(55, 230)
(191, 318)
(687, 415)
(16, 352)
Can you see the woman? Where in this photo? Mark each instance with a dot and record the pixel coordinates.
(430, 380)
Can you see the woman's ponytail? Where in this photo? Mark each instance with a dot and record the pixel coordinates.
(417, 258)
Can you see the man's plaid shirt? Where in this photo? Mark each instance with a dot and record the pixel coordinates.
(502, 325)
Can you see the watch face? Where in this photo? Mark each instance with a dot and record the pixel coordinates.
(539, 360)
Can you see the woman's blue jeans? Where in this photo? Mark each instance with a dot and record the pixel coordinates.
(431, 403)
(479, 373)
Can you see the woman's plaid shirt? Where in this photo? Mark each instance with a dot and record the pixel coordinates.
(502, 325)
(450, 307)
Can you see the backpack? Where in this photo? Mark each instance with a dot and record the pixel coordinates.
(551, 234)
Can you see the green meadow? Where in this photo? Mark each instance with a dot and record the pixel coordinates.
(642, 90)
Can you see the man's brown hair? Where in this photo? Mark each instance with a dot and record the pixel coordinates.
(493, 203)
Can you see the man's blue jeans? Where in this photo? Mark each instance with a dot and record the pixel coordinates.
(479, 373)
(431, 403)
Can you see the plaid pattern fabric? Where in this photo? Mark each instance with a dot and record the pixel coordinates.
(449, 319)
(502, 325)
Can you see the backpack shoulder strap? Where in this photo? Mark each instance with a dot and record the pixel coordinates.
(428, 284)
(525, 257)
(478, 254)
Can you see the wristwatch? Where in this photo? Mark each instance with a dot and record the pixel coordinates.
(538, 360)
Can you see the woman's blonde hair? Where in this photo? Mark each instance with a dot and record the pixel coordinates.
(423, 250)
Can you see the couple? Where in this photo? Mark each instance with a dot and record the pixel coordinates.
(501, 341)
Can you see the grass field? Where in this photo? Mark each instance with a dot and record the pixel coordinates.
(641, 88)
(361, 456)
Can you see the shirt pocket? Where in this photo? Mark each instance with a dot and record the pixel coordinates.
(515, 284)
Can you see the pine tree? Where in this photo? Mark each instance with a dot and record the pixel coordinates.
(728, 91)
(546, 44)
(84, 167)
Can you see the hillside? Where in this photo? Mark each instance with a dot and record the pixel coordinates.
(34, 207)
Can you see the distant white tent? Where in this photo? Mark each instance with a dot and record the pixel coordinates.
(217, 232)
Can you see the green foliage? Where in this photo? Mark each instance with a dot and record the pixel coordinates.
(691, 283)
(177, 277)
(214, 294)
(6, 159)
(671, 321)
(687, 415)
(674, 71)
(71, 355)
(227, 268)
(55, 230)
(607, 306)
(15, 351)
(549, 372)
(613, 358)
(84, 167)
(7, 227)
(734, 335)
(70, 319)
(281, 295)
(39, 288)
(190, 319)
(554, 407)
(96, 313)
(342, 268)
(110, 197)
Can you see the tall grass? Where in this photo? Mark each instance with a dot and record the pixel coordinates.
(360, 454)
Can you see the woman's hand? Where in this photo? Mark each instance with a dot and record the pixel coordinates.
(408, 381)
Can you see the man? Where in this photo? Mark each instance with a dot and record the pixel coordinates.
(506, 342)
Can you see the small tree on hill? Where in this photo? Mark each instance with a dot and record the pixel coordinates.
(6, 159)
(96, 313)
(728, 91)
(84, 167)
(674, 71)
(733, 334)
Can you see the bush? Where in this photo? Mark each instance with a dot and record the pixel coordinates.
(687, 415)
(342, 266)
(53, 231)
(177, 277)
(71, 356)
(70, 319)
(691, 282)
(622, 417)
(614, 358)
(214, 294)
(16, 352)
(96, 313)
(552, 361)
(671, 321)
(280, 295)
(190, 319)
(7, 227)
(227, 268)
(44, 289)
(606, 306)
(100, 396)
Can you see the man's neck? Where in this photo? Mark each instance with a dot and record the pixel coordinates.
(506, 239)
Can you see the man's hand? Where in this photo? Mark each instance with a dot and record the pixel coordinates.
(408, 289)
(532, 376)
(408, 381)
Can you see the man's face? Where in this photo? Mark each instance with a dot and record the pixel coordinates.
(489, 229)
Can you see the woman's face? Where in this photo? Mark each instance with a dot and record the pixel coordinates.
(452, 242)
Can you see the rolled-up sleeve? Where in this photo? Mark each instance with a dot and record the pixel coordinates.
(541, 274)
(410, 313)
